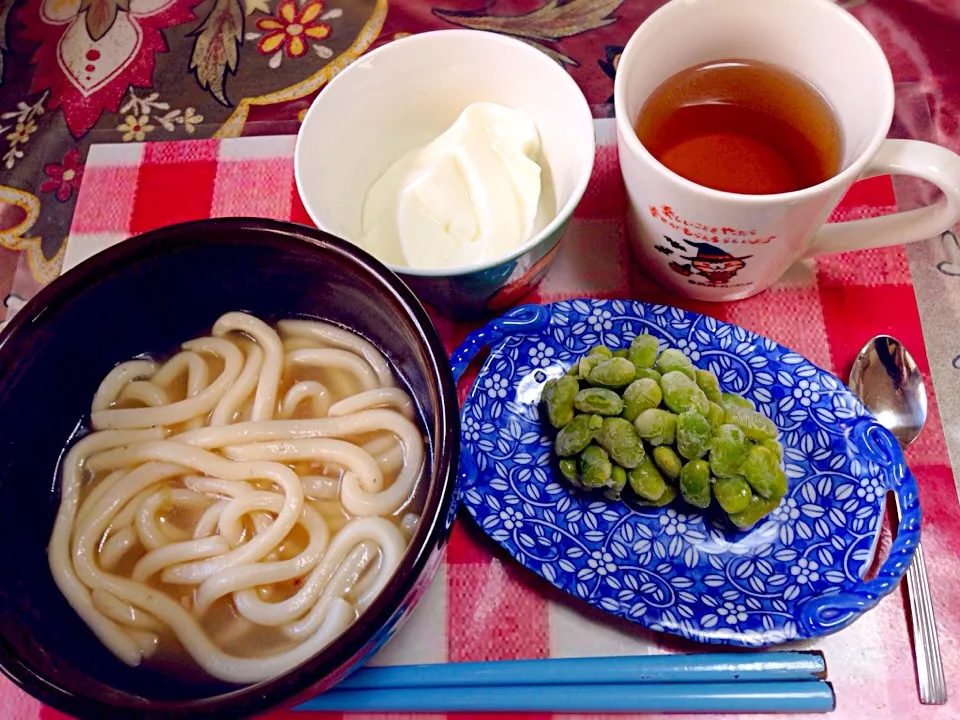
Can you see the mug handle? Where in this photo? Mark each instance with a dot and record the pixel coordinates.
(916, 158)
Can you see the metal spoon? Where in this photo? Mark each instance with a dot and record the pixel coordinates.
(887, 380)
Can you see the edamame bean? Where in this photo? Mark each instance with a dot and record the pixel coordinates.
(594, 467)
(762, 470)
(557, 398)
(669, 495)
(755, 426)
(649, 373)
(612, 373)
(755, 511)
(715, 415)
(618, 479)
(646, 481)
(728, 450)
(732, 494)
(680, 393)
(620, 438)
(695, 483)
(773, 446)
(708, 382)
(656, 426)
(587, 363)
(568, 468)
(693, 435)
(599, 401)
(600, 350)
(643, 350)
(673, 360)
(738, 400)
(576, 435)
(640, 395)
(667, 461)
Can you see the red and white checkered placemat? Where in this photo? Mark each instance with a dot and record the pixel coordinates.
(481, 606)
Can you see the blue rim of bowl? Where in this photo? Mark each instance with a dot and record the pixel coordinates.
(361, 638)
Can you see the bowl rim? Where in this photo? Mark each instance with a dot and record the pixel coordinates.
(580, 113)
(417, 565)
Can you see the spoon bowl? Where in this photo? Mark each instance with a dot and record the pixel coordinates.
(886, 378)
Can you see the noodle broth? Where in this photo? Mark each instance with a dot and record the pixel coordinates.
(239, 504)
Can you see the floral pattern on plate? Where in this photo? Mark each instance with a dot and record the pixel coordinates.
(675, 569)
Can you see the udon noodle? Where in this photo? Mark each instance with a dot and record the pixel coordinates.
(249, 497)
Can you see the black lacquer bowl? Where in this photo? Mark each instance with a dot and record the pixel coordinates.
(148, 294)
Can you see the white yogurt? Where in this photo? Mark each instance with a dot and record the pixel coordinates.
(470, 196)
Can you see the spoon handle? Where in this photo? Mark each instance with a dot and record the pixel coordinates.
(933, 687)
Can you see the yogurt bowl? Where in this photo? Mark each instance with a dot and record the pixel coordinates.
(404, 95)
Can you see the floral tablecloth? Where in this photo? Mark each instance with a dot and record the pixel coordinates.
(79, 73)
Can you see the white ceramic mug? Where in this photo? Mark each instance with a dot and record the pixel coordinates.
(714, 245)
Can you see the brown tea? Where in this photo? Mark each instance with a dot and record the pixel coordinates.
(742, 126)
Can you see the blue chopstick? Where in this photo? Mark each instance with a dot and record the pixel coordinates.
(739, 697)
(691, 668)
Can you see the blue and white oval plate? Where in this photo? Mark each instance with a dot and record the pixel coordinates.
(798, 573)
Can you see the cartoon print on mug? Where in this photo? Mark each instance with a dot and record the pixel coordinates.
(663, 250)
(712, 263)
